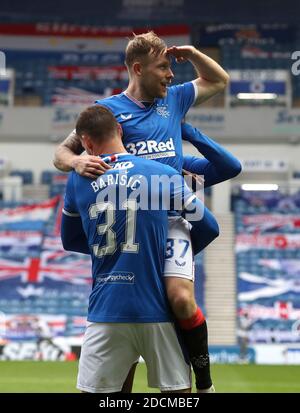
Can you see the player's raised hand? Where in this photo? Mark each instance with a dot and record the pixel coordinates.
(90, 166)
(181, 53)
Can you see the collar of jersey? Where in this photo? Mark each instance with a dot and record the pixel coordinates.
(137, 102)
(112, 157)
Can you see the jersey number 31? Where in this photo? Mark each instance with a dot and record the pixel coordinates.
(109, 209)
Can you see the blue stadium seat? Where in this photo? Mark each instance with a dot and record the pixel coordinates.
(26, 175)
(46, 177)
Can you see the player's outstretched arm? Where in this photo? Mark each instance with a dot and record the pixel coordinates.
(211, 79)
(72, 234)
(218, 165)
(67, 157)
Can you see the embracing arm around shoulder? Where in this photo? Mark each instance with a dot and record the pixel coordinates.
(68, 157)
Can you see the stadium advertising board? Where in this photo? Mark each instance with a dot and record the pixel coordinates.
(264, 165)
(230, 355)
(44, 351)
(258, 81)
(41, 122)
(277, 354)
(273, 122)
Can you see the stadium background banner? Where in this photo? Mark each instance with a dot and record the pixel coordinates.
(43, 289)
(268, 267)
(68, 53)
(215, 34)
(60, 38)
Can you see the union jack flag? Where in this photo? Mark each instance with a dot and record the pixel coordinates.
(38, 278)
(57, 265)
(33, 212)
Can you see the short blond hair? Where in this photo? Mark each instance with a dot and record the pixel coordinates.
(142, 45)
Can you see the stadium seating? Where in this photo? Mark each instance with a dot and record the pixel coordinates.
(56, 181)
(27, 176)
(267, 228)
(34, 79)
(263, 56)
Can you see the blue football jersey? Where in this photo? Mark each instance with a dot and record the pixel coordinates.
(154, 132)
(127, 243)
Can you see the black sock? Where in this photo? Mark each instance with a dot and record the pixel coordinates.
(196, 344)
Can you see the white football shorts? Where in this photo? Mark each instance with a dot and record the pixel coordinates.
(179, 259)
(110, 349)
